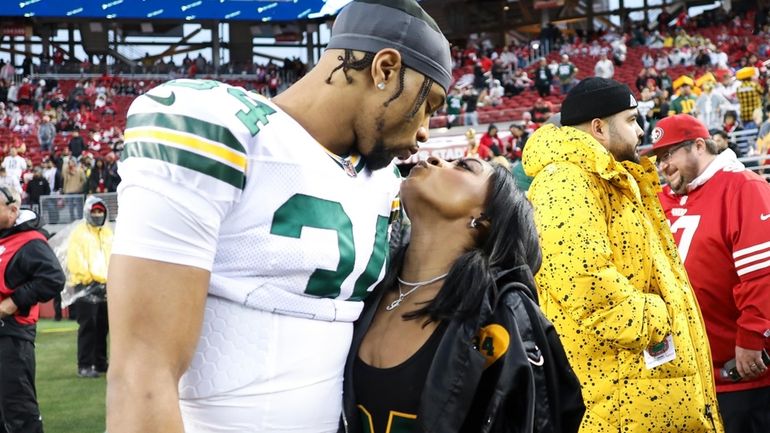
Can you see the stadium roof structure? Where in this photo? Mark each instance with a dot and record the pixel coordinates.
(113, 27)
(188, 10)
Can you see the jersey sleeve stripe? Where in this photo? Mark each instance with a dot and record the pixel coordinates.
(752, 258)
(191, 125)
(189, 142)
(751, 249)
(752, 268)
(186, 159)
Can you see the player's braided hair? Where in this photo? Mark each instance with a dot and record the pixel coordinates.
(427, 83)
(348, 62)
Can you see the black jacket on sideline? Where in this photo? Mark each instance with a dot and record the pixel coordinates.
(36, 188)
(518, 393)
(35, 274)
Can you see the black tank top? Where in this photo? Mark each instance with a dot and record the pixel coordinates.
(388, 398)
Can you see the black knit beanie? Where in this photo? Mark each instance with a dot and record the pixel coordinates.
(595, 98)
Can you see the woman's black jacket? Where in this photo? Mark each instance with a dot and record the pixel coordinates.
(512, 394)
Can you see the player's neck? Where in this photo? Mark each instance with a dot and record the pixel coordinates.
(319, 108)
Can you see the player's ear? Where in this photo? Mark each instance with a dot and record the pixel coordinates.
(385, 67)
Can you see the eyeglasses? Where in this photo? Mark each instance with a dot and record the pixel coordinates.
(8, 196)
(664, 157)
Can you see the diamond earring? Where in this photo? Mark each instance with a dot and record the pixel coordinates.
(381, 86)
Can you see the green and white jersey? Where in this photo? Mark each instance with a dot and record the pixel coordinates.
(219, 178)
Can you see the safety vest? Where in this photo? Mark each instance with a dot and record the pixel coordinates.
(9, 246)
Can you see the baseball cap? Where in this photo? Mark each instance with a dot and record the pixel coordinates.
(676, 129)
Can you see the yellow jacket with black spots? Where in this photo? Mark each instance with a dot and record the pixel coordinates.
(613, 285)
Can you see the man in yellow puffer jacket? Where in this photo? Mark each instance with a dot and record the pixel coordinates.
(611, 280)
(88, 255)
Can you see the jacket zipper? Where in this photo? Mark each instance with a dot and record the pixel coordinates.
(710, 416)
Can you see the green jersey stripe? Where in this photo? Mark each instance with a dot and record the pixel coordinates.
(185, 159)
(191, 125)
(361, 165)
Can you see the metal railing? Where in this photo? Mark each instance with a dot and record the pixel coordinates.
(65, 208)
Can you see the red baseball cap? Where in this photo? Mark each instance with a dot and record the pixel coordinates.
(676, 129)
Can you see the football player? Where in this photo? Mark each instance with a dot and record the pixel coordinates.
(250, 230)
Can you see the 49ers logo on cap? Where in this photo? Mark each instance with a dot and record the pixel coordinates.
(656, 134)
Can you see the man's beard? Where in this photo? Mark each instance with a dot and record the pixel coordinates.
(626, 153)
(379, 157)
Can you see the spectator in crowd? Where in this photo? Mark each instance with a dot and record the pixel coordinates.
(709, 106)
(543, 79)
(439, 291)
(51, 174)
(516, 141)
(472, 148)
(98, 177)
(88, 256)
(665, 82)
(36, 188)
(372, 69)
(8, 72)
(629, 323)
(749, 93)
(521, 82)
(662, 62)
(567, 73)
(10, 182)
(14, 165)
(46, 133)
(76, 144)
(113, 178)
(494, 95)
(730, 122)
(727, 86)
(684, 102)
(604, 67)
(454, 106)
(74, 181)
(490, 144)
(721, 140)
(470, 101)
(541, 111)
(763, 137)
(31, 275)
(645, 104)
(724, 242)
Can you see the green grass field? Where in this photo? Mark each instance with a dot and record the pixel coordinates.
(68, 403)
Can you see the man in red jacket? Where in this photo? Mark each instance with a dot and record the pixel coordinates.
(30, 274)
(720, 217)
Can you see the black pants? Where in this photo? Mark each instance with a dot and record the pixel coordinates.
(19, 411)
(92, 334)
(745, 411)
(57, 306)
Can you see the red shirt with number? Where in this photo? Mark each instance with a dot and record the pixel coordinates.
(722, 229)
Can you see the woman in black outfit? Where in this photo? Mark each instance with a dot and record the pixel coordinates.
(452, 339)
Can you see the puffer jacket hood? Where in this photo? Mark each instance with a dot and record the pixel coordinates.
(551, 144)
(89, 204)
(613, 285)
